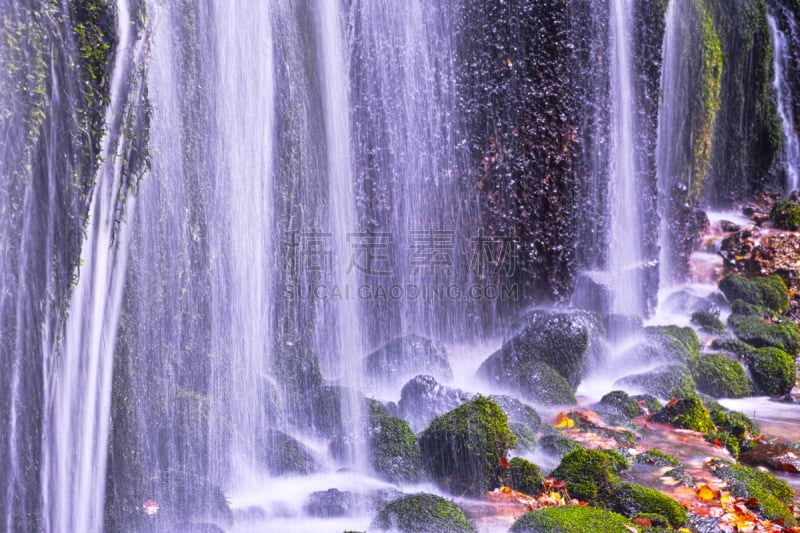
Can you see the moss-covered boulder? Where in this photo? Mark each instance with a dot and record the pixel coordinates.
(422, 513)
(282, 454)
(405, 357)
(590, 473)
(768, 291)
(619, 404)
(785, 214)
(526, 437)
(562, 339)
(733, 429)
(571, 519)
(774, 495)
(664, 344)
(686, 413)
(708, 322)
(462, 449)
(524, 476)
(731, 345)
(773, 371)
(423, 398)
(666, 381)
(557, 444)
(630, 499)
(394, 454)
(531, 379)
(764, 333)
(720, 376)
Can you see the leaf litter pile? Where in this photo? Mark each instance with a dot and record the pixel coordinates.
(693, 484)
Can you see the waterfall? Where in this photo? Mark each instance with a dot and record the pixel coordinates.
(625, 240)
(77, 377)
(790, 145)
(672, 167)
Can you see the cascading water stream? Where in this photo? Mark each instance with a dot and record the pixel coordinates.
(78, 376)
(240, 225)
(625, 245)
(673, 120)
(790, 146)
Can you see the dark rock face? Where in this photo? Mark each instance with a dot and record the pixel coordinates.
(518, 103)
(777, 456)
(405, 357)
(331, 503)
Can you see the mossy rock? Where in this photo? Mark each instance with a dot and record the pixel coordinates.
(571, 519)
(734, 429)
(462, 449)
(282, 454)
(767, 291)
(557, 444)
(630, 499)
(664, 344)
(405, 357)
(666, 381)
(773, 370)
(518, 412)
(755, 331)
(423, 398)
(648, 401)
(656, 458)
(524, 476)
(393, 447)
(708, 322)
(774, 495)
(526, 437)
(618, 403)
(589, 473)
(561, 338)
(686, 413)
(731, 345)
(720, 376)
(785, 214)
(422, 513)
(532, 379)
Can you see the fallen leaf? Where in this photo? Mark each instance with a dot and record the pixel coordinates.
(563, 421)
(504, 462)
(642, 521)
(704, 492)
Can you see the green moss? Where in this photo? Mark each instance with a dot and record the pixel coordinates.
(668, 381)
(786, 214)
(708, 322)
(571, 519)
(422, 513)
(774, 495)
(649, 402)
(687, 413)
(773, 370)
(658, 522)
(462, 449)
(656, 457)
(731, 345)
(618, 402)
(767, 291)
(589, 473)
(285, 455)
(393, 447)
(526, 437)
(685, 336)
(734, 429)
(631, 499)
(721, 377)
(756, 332)
(706, 62)
(524, 476)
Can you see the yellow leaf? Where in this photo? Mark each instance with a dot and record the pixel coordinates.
(563, 421)
(704, 492)
(505, 489)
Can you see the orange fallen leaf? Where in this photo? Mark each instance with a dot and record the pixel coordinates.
(642, 521)
(504, 462)
(673, 402)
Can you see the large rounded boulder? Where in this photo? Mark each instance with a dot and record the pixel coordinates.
(464, 450)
